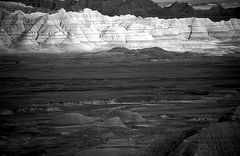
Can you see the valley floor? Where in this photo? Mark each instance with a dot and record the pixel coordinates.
(173, 95)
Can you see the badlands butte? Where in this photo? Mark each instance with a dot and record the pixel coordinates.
(132, 80)
(90, 31)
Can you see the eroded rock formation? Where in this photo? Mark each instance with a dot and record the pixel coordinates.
(90, 31)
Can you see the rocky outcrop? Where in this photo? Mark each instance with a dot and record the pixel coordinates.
(126, 116)
(113, 122)
(164, 146)
(90, 31)
(69, 119)
(218, 139)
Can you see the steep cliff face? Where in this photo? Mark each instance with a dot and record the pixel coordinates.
(90, 31)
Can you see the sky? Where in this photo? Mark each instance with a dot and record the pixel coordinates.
(202, 4)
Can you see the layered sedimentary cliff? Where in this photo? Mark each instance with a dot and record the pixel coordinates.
(90, 31)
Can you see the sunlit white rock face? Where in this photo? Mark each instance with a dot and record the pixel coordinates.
(89, 31)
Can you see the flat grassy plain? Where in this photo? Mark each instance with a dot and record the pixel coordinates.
(173, 94)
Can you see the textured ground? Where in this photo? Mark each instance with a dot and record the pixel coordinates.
(173, 95)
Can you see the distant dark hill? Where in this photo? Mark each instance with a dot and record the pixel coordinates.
(158, 53)
(137, 7)
(147, 8)
(13, 6)
(69, 5)
(177, 10)
(147, 54)
(144, 8)
(219, 13)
